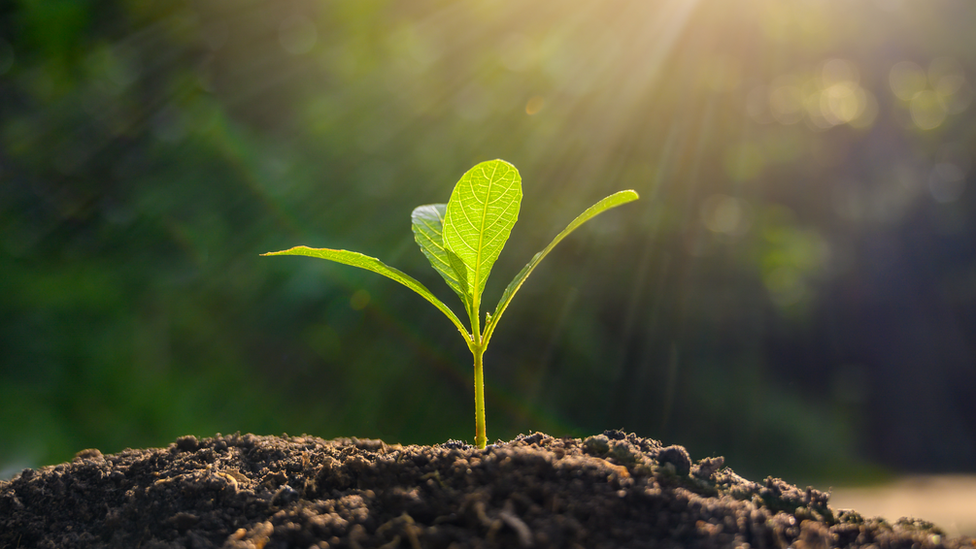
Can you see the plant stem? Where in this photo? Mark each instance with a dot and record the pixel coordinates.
(480, 429)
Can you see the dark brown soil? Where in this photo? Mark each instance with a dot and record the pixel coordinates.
(609, 490)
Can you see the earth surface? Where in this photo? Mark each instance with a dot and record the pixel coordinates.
(247, 491)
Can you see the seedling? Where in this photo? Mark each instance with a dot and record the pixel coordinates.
(462, 240)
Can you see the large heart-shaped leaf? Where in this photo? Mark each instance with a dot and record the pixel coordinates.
(428, 230)
(478, 221)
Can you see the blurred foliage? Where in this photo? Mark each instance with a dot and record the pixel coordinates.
(796, 290)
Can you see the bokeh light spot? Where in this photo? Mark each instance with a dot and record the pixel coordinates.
(323, 340)
(956, 154)
(816, 119)
(945, 75)
(906, 79)
(359, 300)
(927, 109)
(948, 80)
(946, 182)
(725, 214)
(842, 103)
(534, 105)
(833, 98)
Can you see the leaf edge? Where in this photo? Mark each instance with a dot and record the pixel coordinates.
(618, 198)
(368, 263)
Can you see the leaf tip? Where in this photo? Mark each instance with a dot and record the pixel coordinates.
(289, 251)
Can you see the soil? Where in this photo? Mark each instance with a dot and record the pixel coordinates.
(247, 491)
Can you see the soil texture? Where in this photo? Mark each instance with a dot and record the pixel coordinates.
(247, 491)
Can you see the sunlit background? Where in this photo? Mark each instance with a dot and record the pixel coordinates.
(795, 290)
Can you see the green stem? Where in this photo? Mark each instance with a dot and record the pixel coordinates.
(480, 430)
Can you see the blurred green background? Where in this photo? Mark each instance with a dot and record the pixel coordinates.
(795, 290)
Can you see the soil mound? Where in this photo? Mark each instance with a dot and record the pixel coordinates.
(247, 491)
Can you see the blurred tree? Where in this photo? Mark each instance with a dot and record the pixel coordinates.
(796, 290)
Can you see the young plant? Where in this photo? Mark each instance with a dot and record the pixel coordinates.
(462, 240)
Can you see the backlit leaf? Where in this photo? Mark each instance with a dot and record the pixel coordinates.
(479, 218)
(357, 259)
(428, 226)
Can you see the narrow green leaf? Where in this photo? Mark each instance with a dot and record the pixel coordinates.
(428, 227)
(478, 221)
(357, 259)
(607, 203)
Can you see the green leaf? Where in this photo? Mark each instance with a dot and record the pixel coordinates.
(357, 259)
(612, 201)
(478, 221)
(428, 227)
